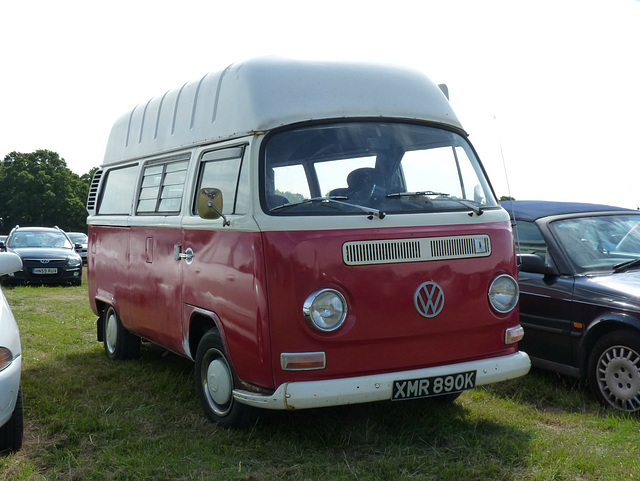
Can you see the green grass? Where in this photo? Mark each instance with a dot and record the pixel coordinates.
(87, 418)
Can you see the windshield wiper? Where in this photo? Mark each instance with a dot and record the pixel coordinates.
(426, 193)
(321, 200)
(623, 266)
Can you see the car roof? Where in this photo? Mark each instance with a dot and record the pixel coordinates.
(39, 229)
(531, 210)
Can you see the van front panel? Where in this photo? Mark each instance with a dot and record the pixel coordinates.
(384, 330)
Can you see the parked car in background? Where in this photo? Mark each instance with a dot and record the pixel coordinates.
(80, 241)
(580, 294)
(11, 411)
(47, 254)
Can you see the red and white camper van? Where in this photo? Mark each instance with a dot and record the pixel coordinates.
(310, 234)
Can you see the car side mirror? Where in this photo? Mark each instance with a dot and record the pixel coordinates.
(9, 262)
(535, 264)
(209, 204)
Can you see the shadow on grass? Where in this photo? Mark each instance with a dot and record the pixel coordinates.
(548, 391)
(88, 405)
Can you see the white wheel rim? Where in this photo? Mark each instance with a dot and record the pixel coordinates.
(219, 382)
(111, 333)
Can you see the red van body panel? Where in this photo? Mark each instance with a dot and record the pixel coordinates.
(383, 331)
(231, 275)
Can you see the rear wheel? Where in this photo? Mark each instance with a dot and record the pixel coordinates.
(119, 343)
(215, 384)
(614, 371)
(11, 432)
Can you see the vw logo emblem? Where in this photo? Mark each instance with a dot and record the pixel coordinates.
(429, 299)
(44, 261)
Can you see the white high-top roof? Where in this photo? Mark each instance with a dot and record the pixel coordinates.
(262, 94)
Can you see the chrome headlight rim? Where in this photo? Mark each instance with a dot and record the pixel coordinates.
(500, 305)
(310, 305)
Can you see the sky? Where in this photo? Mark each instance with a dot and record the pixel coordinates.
(548, 90)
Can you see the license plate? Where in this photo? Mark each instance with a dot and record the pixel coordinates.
(45, 270)
(433, 386)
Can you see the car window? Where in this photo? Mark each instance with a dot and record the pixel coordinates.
(599, 242)
(39, 239)
(529, 239)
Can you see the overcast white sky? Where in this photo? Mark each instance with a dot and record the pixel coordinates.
(554, 85)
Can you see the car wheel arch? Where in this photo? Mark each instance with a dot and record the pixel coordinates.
(200, 323)
(600, 327)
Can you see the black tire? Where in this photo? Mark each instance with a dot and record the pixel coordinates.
(614, 371)
(11, 433)
(119, 344)
(215, 383)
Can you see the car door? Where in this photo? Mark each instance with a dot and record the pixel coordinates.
(545, 301)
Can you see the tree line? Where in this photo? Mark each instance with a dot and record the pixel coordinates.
(38, 189)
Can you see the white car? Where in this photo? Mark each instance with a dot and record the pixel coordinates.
(11, 413)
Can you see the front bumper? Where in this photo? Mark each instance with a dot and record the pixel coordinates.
(64, 274)
(378, 387)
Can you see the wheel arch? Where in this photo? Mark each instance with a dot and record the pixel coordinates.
(600, 327)
(201, 322)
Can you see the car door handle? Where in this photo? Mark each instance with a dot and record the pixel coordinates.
(187, 255)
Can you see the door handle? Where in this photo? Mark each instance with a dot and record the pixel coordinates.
(187, 255)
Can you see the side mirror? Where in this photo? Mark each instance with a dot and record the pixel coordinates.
(9, 262)
(535, 264)
(210, 204)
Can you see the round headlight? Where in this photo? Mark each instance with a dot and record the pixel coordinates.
(503, 293)
(325, 310)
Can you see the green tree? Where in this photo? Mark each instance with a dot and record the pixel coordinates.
(39, 189)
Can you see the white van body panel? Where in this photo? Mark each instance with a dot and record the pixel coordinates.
(262, 94)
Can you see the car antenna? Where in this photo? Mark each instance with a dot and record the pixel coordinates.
(506, 175)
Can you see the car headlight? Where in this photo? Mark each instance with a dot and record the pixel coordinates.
(74, 261)
(325, 310)
(503, 293)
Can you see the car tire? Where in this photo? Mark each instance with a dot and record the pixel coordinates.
(215, 384)
(119, 344)
(614, 370)
(11, 433)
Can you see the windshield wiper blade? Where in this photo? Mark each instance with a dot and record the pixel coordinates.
(425, 193)
(623, 266)
(421, 193)
(320, 200)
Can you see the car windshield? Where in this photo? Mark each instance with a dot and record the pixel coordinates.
(39, 239)
(601, 242)
(78, 238)
(339, 168)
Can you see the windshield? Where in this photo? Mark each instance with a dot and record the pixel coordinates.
(39, 239)
(599, 242)
(78, 238)
(390, 167)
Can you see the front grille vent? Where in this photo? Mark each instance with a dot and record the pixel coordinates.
(415, 250)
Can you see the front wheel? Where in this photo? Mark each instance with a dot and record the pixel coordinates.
(614, 371)
(215, 383)
(119, 343)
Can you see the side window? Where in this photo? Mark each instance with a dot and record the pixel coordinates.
(162, 186)
(529, 239)
(118, 190)
(220, 169)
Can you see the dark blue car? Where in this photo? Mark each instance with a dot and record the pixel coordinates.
(580, 294)
(48, 256)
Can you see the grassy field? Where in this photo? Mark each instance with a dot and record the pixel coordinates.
(87, 418)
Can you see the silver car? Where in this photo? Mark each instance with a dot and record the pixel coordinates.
(11, 414)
